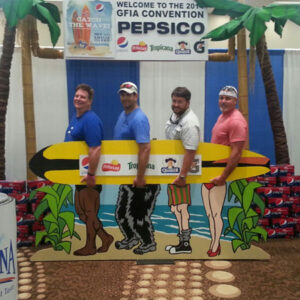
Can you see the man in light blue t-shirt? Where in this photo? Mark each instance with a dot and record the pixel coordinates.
(135, 202)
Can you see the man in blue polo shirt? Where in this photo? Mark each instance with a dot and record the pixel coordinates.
(86, 126)
(135, 202)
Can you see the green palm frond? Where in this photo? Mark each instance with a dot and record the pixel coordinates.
(225, 7)
(254, 19)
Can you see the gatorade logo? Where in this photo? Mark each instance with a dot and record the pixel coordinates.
(122, 42)
(99, 7)
(85, 163)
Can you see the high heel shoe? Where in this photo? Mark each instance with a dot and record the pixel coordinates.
(209, 251)
(213, 254)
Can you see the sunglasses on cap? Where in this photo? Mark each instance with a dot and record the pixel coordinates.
(127, 86)
(229, 90)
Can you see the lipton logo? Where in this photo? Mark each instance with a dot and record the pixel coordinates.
(141, 47)
(114, 166)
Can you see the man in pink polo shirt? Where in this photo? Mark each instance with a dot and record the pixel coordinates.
(231, 129)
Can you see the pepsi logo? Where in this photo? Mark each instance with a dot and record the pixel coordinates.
(267, 212)
(290, 180)
(271, 232)
(40, 184)
(268, 192)
(278, 202)
(273, 170)
(282, 222)
(99, 7)
(85, 163)
(19, 219)
(122, 42)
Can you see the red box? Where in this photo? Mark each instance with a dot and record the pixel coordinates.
(279, 202)
(295, 211)
(295, 191)
(23, 229)
(264, 222)
(283, 170)
(275, 212)
(22, 209)
(267, 180)
(20, 198)
(275, 192)
(17, 186)
(289, 180)
(280, 232)
(32, 185)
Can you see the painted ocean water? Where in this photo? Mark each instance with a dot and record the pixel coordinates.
(164, 221)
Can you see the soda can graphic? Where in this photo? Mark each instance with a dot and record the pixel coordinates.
(8, 249)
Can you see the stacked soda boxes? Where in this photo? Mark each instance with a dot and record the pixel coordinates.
(27, 225)
(281, 194)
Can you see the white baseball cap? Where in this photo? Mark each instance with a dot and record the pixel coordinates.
(128, 87)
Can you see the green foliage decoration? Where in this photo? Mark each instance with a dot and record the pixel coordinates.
(47, 13)
(243, 220)
(58, 224)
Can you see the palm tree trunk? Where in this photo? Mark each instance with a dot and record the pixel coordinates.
(243, 76)
(5, 66)
(28, 95)
(275, 114)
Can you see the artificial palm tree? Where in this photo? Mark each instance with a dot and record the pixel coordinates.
(254, 19)
(14, 11)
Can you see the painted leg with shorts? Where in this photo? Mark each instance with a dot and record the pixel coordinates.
(179, 200)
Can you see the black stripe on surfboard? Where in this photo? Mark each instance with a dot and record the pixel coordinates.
(39, 165)
(212, 164)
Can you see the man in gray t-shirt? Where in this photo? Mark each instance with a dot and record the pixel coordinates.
(183, 125)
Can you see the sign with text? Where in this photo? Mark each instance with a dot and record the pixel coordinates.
(126, 165)
(135, 30)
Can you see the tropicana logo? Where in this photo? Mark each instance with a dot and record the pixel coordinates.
(114, 166)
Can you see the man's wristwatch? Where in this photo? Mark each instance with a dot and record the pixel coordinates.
(90, 174)
(181, 176)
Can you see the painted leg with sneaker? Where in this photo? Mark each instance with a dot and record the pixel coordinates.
(133, 215)
(180, 195)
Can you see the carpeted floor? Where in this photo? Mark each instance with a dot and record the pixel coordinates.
(277, 278)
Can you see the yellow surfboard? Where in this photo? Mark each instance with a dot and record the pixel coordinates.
(60, 163)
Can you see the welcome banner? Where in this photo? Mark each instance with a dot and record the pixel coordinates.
(135, 30)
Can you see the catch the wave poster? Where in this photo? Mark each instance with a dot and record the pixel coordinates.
(88, 29)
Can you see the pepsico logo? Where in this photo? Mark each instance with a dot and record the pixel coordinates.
(122, 42)
(99, 7)
(85, 163)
